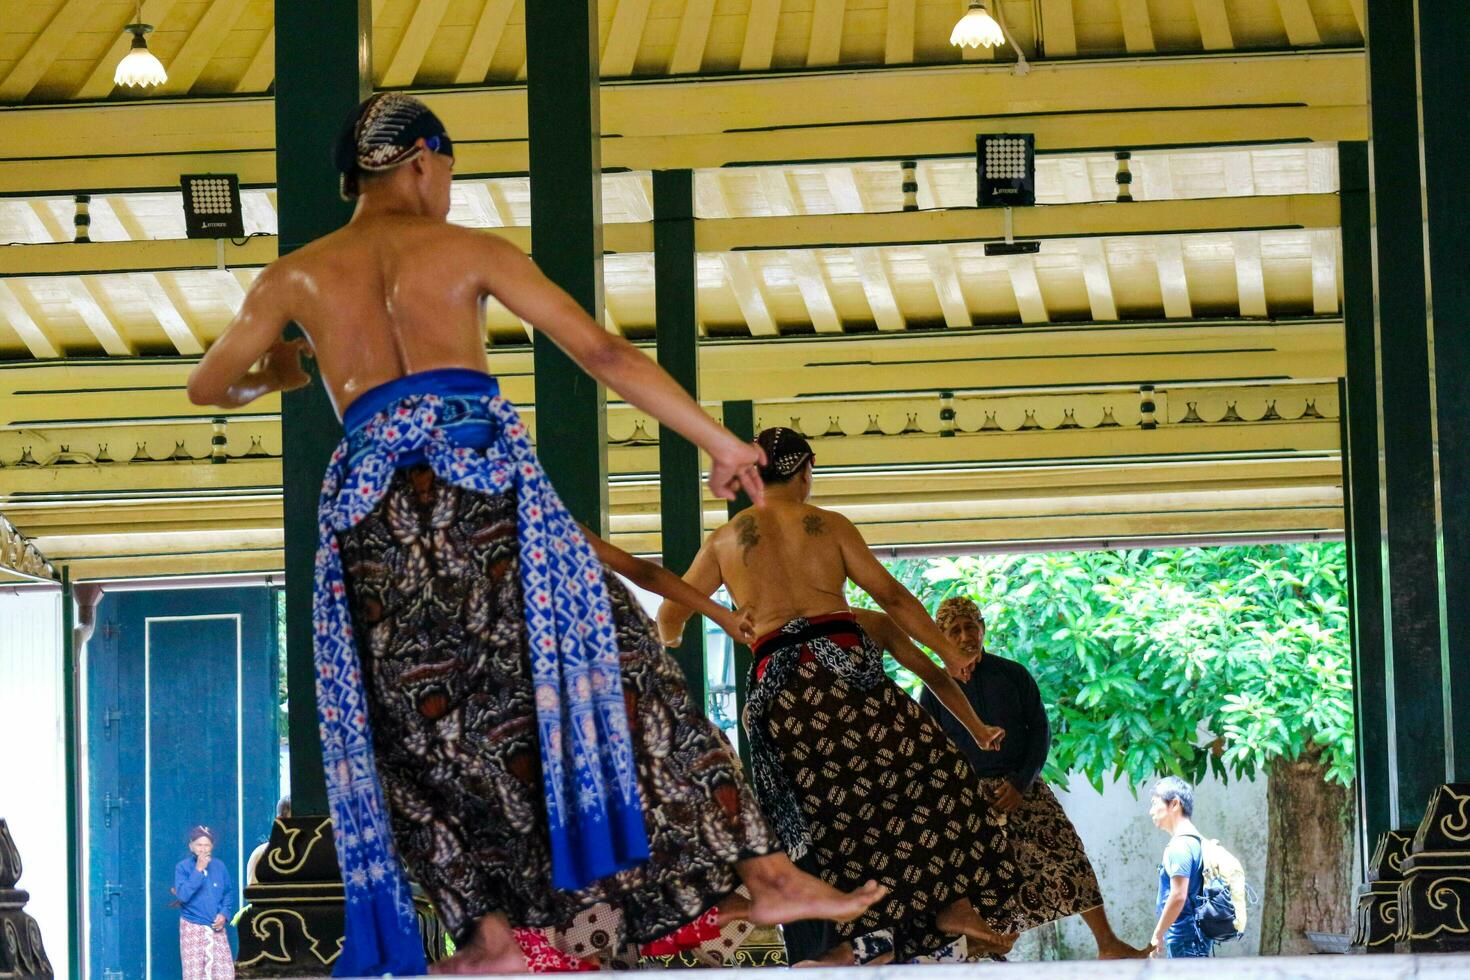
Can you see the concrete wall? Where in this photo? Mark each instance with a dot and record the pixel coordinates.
(1125, 848)
(33, 773)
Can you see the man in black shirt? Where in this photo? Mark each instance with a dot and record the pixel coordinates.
(1057, 879)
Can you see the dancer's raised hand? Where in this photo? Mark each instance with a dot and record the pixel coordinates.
(281, 366)
(735, 467)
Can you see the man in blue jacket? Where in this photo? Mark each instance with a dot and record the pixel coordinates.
(206, 901)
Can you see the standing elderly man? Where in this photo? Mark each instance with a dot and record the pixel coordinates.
(206, 900)
(1055, 877)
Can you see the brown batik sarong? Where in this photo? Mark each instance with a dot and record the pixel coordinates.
(1055, 879)
(860, 782)
(435, 593)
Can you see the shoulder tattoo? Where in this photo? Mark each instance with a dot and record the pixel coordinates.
(746, 536)
(812, 524)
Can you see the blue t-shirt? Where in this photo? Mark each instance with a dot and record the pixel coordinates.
(1183, 858)
(203, 895)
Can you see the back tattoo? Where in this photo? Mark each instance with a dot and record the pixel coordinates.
(746, 536)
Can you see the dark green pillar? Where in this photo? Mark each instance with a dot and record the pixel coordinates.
(739, 418)
(566, 236)
(680, 494)
(1443, 37)
(323, 69)
(1405, 400)
(1360, 494)
(76, 883)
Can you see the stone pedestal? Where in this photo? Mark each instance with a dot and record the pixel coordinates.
(22, 954)
(1434, 897)
(1377, 924)
(294, 922)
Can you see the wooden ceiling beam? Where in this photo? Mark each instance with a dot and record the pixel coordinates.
(41, 52)
(846, 195)
(413, 44)
(807, 268)
(879, 289)
(1027, 288)
(1325, 272)
(1214, 25)
(898, 45)
(825, 45)
(745, 283)
(947, 286)
(694, 25)
(1055, 221)
(1138, 30)
(484, 42)
(1173, 285)
(1058, 29)
(13, 312)
(51, 225)
(86, 299)
(202, 44)
(1249, 277)
(1301, 26)
(183, 337)
(121, 210)
(262, 71)
(675, 123)
(624, 38)
(1061, 221)
(760, 35)
(1098, 278)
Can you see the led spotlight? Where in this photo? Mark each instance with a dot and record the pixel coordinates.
(1006, 168)
(212, 205)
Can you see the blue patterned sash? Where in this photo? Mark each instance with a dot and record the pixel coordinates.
(593, 812)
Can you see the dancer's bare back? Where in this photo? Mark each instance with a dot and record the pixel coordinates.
(391, 295)
(785, 560)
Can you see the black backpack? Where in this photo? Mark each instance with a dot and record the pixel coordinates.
(1218, 918)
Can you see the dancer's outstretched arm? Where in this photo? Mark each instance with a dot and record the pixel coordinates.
(909, 613)
(895, 641)
(657, 579)
(511, 277)
(702, 579)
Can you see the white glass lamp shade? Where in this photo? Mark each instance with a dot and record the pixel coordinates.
(139, 67)
(977, 29)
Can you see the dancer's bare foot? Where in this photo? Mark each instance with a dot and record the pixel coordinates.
(780, 892)
(492, 949)
(733, 909)
(1120, 950)
(839, 955)
(962, 918)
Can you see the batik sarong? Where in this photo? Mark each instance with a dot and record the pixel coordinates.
(205, 953)
(1054, 877)
(860, 782)
(435, 581)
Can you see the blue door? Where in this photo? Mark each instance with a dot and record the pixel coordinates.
(182, 729)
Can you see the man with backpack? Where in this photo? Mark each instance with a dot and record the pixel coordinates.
(1202, 889)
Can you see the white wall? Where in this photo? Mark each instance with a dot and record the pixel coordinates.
(1125, 848)
(33, 774)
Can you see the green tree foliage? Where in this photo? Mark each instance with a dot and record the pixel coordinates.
(1171, 661)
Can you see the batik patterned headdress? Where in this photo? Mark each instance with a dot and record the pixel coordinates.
(384, 133)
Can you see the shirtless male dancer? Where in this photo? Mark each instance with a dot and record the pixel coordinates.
(858, 780)
(496, 713)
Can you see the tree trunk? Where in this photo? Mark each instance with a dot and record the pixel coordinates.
(1309, 856)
